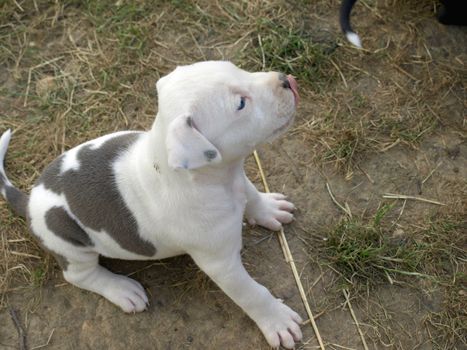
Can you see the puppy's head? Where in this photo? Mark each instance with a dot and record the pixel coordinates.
(216, 112)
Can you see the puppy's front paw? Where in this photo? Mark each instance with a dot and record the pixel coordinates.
(126, 293)
(281, 326)
(270, 211)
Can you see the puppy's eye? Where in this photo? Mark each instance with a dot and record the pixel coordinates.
(242, 103)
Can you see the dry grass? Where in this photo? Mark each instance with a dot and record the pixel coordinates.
(449, 325)
(375, 108)
(73, 70)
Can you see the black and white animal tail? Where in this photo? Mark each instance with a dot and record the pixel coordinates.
(344, 20)
(17, 200)
(452, 12)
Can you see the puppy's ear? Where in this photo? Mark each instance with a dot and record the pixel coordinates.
(187, 148)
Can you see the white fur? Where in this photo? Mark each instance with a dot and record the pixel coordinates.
(70, 160)
(354, 39)
(198, 210)
(125, 292)
(97, 143)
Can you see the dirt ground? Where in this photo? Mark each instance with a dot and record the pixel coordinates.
(387, 119)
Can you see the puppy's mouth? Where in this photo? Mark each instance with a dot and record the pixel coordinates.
(283, 127)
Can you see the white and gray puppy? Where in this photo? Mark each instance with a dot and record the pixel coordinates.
(179, 188)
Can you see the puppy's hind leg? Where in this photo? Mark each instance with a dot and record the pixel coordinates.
(74, 251)
(124, 292)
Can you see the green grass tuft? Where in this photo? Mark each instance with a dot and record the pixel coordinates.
(38, 276)
(292, 50)
(362, 250)
(366, 250)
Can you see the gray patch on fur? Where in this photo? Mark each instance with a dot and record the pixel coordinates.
(93, 196)
(17, 200)
(50, 177)
(59, 222)
(210, 154)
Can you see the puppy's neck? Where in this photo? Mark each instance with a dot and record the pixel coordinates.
(220, 174)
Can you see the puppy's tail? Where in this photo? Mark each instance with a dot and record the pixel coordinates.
(344, 20)
(14, 197)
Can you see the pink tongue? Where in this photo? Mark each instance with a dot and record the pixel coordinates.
(293, 87)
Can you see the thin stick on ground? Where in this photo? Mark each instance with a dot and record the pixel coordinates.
(347, 299)
(340, 73)
(403, 196)
(19, 328)
(289, 258)
(400, 213)
(341, 346)
(344, 209)
(318, 315)
(387, 148)
(431, 173)
(144, 268)
(46, 343)
(263, 65)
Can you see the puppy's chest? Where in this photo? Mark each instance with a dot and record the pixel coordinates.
(239, 193)
(217, 205)
(227, 191)
(236, 192)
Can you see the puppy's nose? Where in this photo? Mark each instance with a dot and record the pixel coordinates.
(288, 82)
(284, 80)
